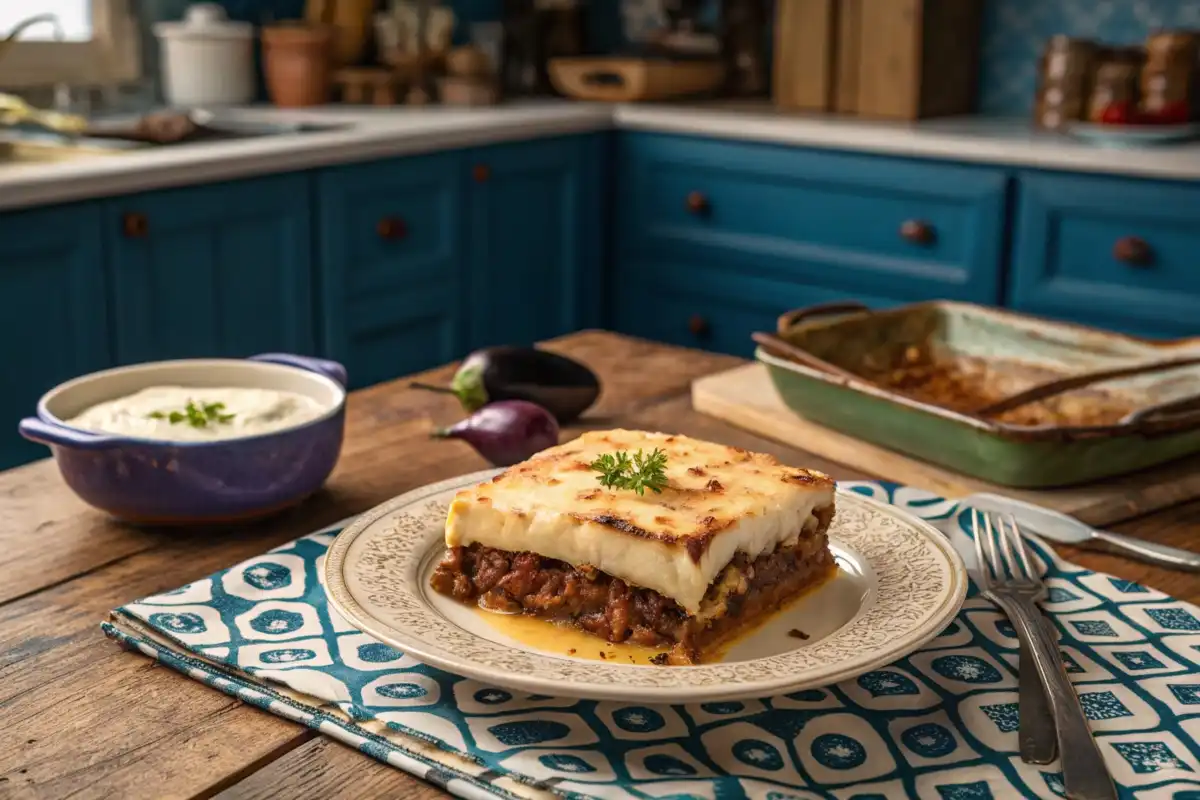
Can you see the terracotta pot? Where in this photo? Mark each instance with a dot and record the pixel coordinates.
(297, 63)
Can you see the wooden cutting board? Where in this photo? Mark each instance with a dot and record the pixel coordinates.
(745, 397)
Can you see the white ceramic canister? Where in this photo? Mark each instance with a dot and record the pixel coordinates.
(207, 60)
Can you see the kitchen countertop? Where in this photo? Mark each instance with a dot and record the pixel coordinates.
(379, 133)
(84, 719)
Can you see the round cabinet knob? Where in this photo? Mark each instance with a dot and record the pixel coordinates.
(1134, 251)
(135, 226)
(697, 203)
(918, 232)
(698, 326)
(391, 228)
(481, 172)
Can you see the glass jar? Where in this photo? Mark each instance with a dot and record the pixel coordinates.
(1064, 73)
(1168, 81)
(1115, 82)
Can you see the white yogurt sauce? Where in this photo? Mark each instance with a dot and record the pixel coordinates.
(254, 412)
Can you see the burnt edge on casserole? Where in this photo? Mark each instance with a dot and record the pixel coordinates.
(743, 594)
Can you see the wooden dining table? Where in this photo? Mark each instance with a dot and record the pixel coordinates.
(81, 718)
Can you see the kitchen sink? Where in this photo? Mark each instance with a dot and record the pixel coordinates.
(45, 151)
(106, 139)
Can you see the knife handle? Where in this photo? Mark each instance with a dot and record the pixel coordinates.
(1161, 554)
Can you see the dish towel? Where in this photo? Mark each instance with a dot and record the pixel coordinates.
(939, 724)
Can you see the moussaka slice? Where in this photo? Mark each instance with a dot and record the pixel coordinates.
(648, 538)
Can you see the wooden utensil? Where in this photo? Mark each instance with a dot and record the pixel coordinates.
(785, 349)
(1059, 385)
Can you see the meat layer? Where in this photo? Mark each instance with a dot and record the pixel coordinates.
(746, 590)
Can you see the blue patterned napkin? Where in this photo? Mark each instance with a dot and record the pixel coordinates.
(941, 723)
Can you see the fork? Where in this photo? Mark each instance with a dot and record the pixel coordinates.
(1007, 578)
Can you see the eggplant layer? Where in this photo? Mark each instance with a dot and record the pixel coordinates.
(743, 594)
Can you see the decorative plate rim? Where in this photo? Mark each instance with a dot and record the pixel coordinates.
(701, 683)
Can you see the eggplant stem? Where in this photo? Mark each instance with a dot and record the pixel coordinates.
(430, 388)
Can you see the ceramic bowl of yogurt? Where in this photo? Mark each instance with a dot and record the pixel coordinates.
(196, 441)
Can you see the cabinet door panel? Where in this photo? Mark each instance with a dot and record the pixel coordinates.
(391, 265)
(391, 338)
(1112, 252)
(55, 322)
(215, 270)
(534, 219)
(710, 309)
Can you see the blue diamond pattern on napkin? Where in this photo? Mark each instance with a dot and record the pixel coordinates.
(939, 723)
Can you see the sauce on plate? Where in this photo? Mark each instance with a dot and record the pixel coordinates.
(566, 640)
(199, 414)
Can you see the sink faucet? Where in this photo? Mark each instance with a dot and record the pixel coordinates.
(64, 122)
(11, 37)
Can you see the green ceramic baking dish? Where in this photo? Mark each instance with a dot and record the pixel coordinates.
(837, 338)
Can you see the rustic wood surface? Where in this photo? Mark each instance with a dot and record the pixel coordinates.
(81, 718)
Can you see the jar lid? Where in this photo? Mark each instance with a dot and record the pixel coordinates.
(204, 21)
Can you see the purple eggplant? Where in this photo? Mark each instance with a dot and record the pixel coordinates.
(506, 432)
(562, 386)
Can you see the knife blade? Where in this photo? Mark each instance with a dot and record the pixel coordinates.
(1059, 527)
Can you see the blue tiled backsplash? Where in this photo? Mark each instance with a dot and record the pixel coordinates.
(1014, 32)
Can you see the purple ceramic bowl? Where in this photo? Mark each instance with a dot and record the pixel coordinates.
(187, 483)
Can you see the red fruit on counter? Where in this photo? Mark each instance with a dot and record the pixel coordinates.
(1177, 113)
(1117, 114)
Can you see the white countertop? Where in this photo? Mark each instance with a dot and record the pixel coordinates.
(378, 133)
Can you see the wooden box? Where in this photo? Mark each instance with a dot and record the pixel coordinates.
(886, 59)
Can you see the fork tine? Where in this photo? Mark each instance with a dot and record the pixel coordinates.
(1031, 571)
(993, 557)
(1006, 545)
(984, 579)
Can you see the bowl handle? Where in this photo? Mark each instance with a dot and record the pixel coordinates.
(51, 433)
(330, 369)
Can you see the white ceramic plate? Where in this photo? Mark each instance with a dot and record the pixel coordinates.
(899, 585)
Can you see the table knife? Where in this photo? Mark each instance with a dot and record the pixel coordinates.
(1059, 527)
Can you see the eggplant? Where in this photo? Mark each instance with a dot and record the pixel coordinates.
(506, 432)
(561, 385)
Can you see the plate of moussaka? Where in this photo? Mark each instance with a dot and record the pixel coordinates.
(629, 565)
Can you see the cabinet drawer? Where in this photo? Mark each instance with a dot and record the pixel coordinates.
(904, 228)
(1116, 253)
(710, 310)
(385, 223)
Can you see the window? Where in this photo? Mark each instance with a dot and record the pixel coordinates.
(99, 44)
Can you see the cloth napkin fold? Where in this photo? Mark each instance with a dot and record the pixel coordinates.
(940, 723)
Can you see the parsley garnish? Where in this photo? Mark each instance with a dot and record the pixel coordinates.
(639, 473)
(198, 416)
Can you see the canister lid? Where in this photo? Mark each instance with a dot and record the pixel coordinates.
(205, 21)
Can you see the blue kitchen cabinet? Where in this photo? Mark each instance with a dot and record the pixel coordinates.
(1110, 252)
(535, 231)
(222, 269)
(896, 227)
(391, 267)
(715, 239)
(55, 322)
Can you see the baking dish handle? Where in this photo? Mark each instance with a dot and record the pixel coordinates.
(794, 317)
(1164, 418)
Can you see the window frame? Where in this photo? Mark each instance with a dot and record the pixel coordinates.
(112, 55)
